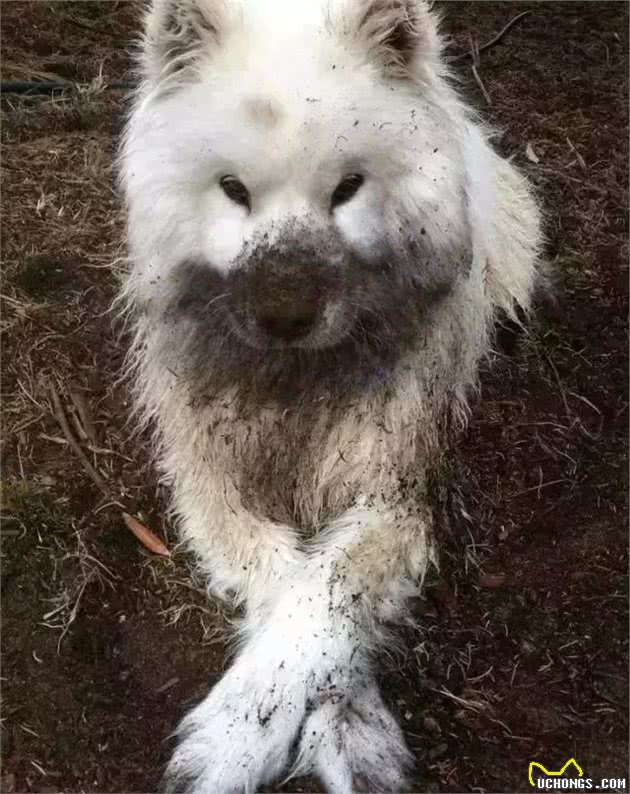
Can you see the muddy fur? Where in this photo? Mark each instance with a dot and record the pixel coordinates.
(304, 392)
(305, 362)
(385, 312)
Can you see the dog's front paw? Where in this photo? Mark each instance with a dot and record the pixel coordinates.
(240, 736)
(354, 743)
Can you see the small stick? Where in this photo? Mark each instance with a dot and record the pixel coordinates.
(585, 182)
(144, 534)
(578, 156)
(474, 51)
(569, 412)
(486, 95)
(78, 400)
(537, 488)
(78, 426)
(496, 39)
(74, 444)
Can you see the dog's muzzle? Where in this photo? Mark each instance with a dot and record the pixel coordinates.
(282, 303)
(287, 320)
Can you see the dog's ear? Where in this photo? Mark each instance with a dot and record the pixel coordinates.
(401, 35)
(176, 32)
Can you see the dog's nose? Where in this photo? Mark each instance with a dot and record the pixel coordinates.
(287, 322)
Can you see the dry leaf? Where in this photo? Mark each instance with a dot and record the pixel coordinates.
(148, 539)
(492, 579)
(444, 596)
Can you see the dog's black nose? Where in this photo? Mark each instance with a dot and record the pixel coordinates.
(287, 322)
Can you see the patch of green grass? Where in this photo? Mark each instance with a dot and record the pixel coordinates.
(81, 9)
(15, 495)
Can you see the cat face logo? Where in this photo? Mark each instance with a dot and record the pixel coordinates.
(570, 763)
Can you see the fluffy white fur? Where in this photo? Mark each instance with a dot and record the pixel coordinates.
(291, 96)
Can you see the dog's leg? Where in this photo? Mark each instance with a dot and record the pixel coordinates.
(245, 558)
(375, 560)
(304, 677)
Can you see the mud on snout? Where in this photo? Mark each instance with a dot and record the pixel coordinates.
(301, 312)
(307, 289)
(301, 291)
(298, 290)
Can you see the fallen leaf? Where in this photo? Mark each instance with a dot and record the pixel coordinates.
(492, 579)
(444, 596)
(148, 539)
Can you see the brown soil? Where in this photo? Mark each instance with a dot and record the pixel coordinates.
(521, 649)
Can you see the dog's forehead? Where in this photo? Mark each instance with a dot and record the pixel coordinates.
(308, 138)
(296, 128)
(299, 72)
(263, 111)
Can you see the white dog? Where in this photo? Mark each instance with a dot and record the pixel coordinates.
(321, 238)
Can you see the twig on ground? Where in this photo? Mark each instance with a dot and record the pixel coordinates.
(578, 156)
(489, 44)
(78, 426)
(537, 488)
(75, 609)
(79, 403)
(473, 705)
(568, 411)
(98, 30)
(474, 51)
(486, 95)
(148, 539)
(60, 416)
(587, 183)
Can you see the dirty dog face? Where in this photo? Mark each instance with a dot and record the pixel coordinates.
(294, 192)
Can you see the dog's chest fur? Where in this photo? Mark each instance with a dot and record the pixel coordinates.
(301, 465)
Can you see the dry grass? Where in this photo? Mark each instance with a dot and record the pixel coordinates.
(62, 250)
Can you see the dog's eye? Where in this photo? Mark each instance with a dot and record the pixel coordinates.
(346, 189)
(235, 190)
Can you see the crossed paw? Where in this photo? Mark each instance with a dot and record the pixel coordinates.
(271, 716)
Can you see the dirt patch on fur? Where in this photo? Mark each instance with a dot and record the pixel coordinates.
(521, 648)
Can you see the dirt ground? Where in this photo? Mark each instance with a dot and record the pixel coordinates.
(520, 652)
